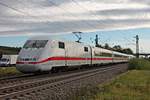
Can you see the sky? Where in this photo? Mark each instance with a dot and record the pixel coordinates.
(116, 21)
(125, 38)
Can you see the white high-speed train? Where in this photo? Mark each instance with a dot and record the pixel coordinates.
(40, 54)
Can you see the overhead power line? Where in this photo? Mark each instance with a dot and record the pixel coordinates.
(21, 12)
(55, 5)
(92, 13)
(5, 5)
(66, 10)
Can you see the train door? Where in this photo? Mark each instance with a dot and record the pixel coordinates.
(62, 53)
(113, 57)
(66, 56)
(70, 53)
(91, 55)
(87, 52)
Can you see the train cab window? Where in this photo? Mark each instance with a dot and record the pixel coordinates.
(86, 49)
(61, 45)
(35, 44)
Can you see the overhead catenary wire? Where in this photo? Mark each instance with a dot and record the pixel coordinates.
(66, 10)
(92, 13)
(21, 12)
(53, 3)
(15, 9)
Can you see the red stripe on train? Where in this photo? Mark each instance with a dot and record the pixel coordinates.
(63, 58)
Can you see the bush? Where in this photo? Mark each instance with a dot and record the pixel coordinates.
(139, 64)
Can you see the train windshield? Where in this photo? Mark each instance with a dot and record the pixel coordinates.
(35, 44)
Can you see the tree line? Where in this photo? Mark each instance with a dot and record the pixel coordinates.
(117, 48)
(9, 50)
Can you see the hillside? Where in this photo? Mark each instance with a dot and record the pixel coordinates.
(9, 50)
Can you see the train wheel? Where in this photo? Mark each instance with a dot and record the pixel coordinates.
(64, 69)
(54, 70)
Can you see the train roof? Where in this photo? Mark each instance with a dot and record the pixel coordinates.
(119, 53)
(56, 39)
(102, 49)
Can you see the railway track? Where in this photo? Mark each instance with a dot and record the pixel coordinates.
(14, 76)
(8, 81)
(18, 79)
(28, 89)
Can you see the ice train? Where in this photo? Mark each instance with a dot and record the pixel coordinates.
(43, 54)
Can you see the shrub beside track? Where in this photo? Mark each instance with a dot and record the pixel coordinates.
(139, 64)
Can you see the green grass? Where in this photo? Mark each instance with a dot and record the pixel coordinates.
(7, 71)
(139, 64)
(133, 85)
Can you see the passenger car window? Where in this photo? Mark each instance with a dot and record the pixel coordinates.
(61, 45)
(86, 49)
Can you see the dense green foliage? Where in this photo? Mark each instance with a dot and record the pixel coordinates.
(139, 64)
(133, 85)
(9, 50)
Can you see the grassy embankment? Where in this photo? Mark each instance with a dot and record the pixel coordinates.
(8, 71)
(133, 85)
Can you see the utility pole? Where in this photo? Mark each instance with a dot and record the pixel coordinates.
(96, 41)
(137, 46)
(1, 54)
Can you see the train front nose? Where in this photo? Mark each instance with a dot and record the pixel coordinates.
(29, 56)
(27, 68)
(27, 61)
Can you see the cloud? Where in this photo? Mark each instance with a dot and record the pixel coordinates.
(36, 17)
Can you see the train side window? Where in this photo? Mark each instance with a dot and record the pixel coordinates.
(86, 49)
(61, 45)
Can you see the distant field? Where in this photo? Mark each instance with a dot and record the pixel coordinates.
(7, 71)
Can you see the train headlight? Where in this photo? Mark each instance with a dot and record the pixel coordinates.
(28, 59)
(34, 59)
